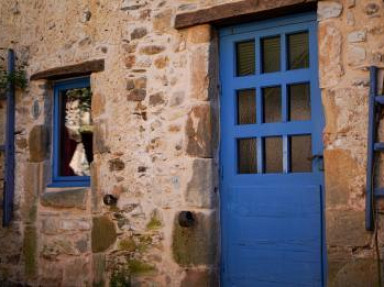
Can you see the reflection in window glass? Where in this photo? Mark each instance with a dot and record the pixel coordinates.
(76, 132)
(299, 102)
(301, 152)
(245, 56)
(271, 54)
(246, 105)
(273, 154)
(246, 155)
(298, 51)
(272, 104)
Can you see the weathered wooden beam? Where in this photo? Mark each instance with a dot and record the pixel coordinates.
(77, 70)
(246, 10)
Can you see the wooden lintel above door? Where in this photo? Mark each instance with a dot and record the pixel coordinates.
(243, 11)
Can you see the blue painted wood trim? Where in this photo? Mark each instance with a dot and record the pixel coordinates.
(369, 222)
(9, 176)
(57, 180)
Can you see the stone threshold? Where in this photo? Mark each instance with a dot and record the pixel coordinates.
(243, 11)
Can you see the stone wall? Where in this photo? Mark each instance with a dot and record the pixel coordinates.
(349, 43)
(155, 109)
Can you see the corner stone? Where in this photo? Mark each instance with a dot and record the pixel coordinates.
(198, 131)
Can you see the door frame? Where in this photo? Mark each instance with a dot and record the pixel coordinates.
(318, 109)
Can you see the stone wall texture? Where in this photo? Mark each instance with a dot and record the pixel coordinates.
(156, 141)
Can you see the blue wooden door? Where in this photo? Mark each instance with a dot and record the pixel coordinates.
(271, 154)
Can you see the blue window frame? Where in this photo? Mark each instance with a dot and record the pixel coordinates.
(72, 133)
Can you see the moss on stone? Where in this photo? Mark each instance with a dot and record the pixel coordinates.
(154, 223)
(103, 234)
(127, 245)
(137, 267)
(30, 250)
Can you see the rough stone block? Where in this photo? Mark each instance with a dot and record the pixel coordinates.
(347, 228)
(330, 58)
(356, 55)
(199, 66)
(357, 36)
(38, 143)
(199, 192)
(99, 264)
(358, 272)
(198, 131)
(196, 244)
(200, 277)
(33, 186)
(152, 50)
(30, 251)
(72, 198)
(328, 9)
(162, 21)
(76, 272)
(100, 137)
(342, 170)
(103, 234)
(199, 34)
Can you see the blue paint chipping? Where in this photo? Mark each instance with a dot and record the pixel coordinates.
(9, 171)
(272, 224)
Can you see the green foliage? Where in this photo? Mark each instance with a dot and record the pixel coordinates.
(120, 278)
(17, 78)
(83, 95)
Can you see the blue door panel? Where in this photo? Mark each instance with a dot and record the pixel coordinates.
(271, 224)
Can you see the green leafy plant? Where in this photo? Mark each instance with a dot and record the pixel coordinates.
(17, 78)
(83, 95)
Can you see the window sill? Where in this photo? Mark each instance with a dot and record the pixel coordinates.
(65, 197)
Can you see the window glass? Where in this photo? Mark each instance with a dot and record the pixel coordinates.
(76, 132)
(247, 155)
(245, 56)
(272, 104)
(246, 107)
(271, 54)
(298, 51)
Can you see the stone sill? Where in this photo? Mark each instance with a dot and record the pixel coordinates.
(65, 197)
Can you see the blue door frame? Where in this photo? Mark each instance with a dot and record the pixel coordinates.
(244, 196)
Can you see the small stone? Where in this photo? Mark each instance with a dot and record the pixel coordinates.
(162, 21)
(350, 18)
(356, 55)
(187, 7)
(130, 5)
(161, 62)
(138, 33)
(136, 95)
(152, 50)
(130, 48)
(371, 8)
(177, 99)
(156, 99)
(75, 224)
(85, 16)
(351, 3)
(142, 169)
(137, 83)
(357, 36)
(328, 9)
(130, 61)
(116, 164)
(36, 110)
